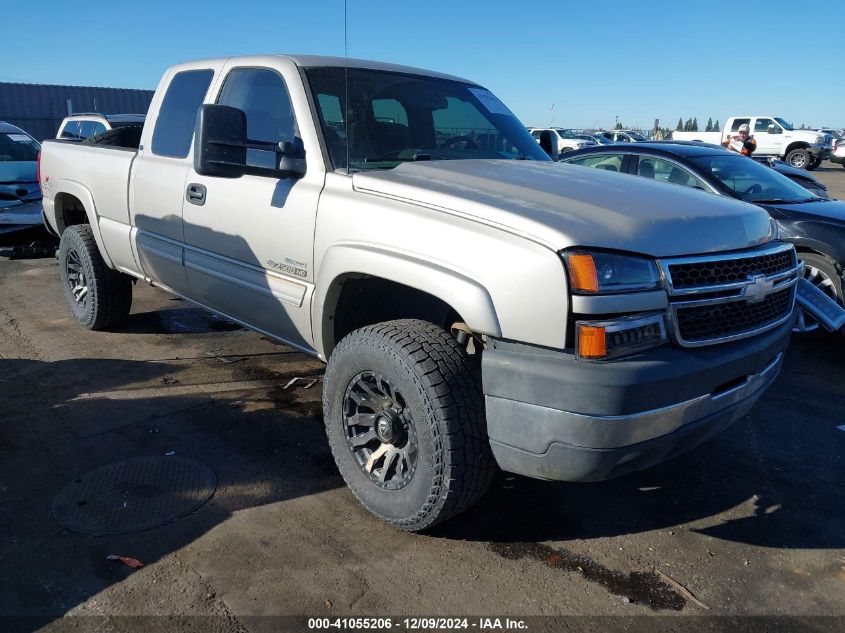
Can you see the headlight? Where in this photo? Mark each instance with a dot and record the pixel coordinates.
(600, 273)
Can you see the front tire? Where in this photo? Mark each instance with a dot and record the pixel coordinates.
(404, 417)
(98, 296)
(799, 158)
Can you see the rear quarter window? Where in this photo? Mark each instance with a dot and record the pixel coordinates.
(174, 128)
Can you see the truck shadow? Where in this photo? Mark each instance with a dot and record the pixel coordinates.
(774, 479)
(62, 419)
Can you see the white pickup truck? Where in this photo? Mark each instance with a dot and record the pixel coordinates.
(805, 149)
(477, 304)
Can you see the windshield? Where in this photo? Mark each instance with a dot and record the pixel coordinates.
(395, 118)
(786, 126)
(751, 181)
(17, 147)
(566, 133)
(637, 136)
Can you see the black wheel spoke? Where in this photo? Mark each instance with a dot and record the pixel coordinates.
(358, 441)
(361, 419)
(379, 432)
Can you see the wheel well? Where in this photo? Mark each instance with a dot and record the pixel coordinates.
(69, 211)
(364, 300)
(796, 145)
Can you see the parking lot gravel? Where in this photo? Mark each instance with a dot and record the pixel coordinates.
(750, 524)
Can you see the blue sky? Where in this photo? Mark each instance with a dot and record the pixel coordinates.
(590, 60)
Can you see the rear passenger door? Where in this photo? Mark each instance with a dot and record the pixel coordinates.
(157, 186)
(250, 240)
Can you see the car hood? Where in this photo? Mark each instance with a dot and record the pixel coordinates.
(830, 209)
(567, 205)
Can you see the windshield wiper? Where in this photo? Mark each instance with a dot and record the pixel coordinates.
(781, 201)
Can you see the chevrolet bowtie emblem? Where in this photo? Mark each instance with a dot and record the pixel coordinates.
(757, 289)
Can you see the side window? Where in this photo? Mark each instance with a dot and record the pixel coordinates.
(665, 171)
(738, 122)
(177, 116)
(762, 125)
(71, 130)
(262, 94)
(99, 128)
(608, 162)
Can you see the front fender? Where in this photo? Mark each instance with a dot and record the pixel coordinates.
(469, 298)
(83, 194)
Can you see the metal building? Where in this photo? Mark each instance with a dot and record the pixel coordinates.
(40, 108)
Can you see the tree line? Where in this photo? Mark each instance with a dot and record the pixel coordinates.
(691, 125)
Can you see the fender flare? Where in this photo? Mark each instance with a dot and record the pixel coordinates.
(83, 194)
(468, 297)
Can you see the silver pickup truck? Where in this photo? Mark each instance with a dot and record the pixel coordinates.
(476, 304)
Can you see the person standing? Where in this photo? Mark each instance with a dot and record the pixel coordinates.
(741, 143)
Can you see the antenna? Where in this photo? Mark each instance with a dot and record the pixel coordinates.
(346, 82)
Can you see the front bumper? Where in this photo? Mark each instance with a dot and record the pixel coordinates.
(820, 152)
(550, 416)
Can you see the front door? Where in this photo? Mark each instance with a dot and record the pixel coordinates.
(768, 143)
(249, 240)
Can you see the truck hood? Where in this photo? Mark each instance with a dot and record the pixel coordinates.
(567, 205)
(805, 135)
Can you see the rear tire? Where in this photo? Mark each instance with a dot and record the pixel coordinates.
(411, 389)
(798, 158)
(98, 296)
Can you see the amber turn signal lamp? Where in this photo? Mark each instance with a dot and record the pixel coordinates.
(591, 342)
(582, 270)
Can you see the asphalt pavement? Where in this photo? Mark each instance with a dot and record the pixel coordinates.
(750, 524)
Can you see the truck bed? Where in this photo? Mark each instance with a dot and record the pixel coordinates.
(99, 171)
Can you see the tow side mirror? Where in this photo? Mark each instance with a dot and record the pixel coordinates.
(773, 129)
(221, 147)
(220, 143)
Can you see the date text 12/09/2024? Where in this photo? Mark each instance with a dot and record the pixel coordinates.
(417, 623)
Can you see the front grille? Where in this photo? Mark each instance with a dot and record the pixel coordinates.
(703, 323)
(715, 272)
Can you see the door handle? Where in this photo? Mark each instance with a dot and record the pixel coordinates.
(195, 194)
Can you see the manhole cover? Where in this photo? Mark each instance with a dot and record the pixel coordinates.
(134, 495)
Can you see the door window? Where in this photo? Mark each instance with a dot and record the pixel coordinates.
(738, 122)
(263, 96)
(177, 116)
(666, 171)
(608, 162)
(762, 125)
